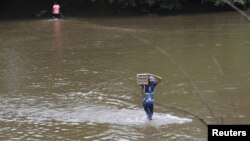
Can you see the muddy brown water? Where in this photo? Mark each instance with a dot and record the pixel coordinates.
(74, 79)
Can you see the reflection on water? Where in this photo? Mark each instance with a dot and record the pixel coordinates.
(57, 33)
(74, 79)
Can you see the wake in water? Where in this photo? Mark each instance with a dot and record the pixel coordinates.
(51, 20)
(91, 115)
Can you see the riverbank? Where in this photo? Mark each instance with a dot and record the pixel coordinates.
(42, 9)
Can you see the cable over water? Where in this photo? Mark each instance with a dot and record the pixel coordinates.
(237, 9)
(187, 78)
(179, 109)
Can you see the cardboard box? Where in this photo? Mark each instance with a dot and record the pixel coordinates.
(142, 78)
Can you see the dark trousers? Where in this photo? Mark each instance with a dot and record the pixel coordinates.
(149, 109)
(58, 16)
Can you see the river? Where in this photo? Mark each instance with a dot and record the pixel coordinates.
(75, 79)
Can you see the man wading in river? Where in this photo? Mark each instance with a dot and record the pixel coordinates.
(56, 11)
(148, 94)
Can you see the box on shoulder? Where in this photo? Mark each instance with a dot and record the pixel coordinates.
(142, 78)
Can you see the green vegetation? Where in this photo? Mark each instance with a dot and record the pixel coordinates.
(116, 6)
(221, 2)
(165, 4)
(155, 6)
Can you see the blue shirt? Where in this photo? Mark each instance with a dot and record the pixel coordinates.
(149, 92)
